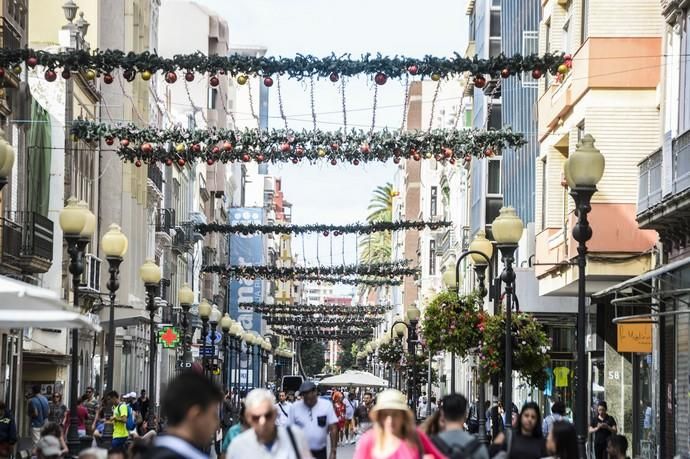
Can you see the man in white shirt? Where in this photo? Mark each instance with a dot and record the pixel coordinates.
(316, 417)
(264, 439)
(350, 406)
(282, 409)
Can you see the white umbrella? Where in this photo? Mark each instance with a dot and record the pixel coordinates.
(20, 295)
(19, 318)
(354, 378)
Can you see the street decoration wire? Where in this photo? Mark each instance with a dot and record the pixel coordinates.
(178, 146)
(326, 230)
(102, 63)
(311, 309)
(323, 321)
(288, 273)
(372, 281)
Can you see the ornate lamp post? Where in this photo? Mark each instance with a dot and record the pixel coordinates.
(226, 324)
(204, 315)
(150, 273)
(237, 332)
(249, 340)
(507, 230)
(266, 347)
(6, 159)
(78, 224)
(413, 315)
(213, 320)
(583, 170)
(186, 297)
(114, 245)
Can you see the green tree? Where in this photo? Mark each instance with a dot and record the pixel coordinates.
(312, 354)
(347, 359)
(376, 247)
(381, 204)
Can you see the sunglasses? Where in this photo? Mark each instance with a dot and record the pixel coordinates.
(255, 418)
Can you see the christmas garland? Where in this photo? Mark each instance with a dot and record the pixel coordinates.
(326, 230)
(322, 334)
(178, 145)
(105, 62)
(530, 348)
(356, 280)
(324, 309)
(250, 272)
(451, 323)
(323, 322)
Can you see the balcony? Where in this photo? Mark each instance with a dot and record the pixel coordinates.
(215, 179)
(183, 240)
(165, 224)
(663, 204)
(27, 242)
(154, 182)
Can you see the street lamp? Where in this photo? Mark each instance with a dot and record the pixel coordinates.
(237, 331)
(583, 170)
(186, 297)
(265, 351)
(114, 245)
(507, 230)
(150, 274)
(413, 314)
(213, 320)
(226, 324)
(6, 159)
(78, 224)
(204, 315)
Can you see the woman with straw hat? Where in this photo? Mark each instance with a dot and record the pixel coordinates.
(394, 434)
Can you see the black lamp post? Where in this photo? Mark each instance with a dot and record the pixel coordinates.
(480, 252)
(507, 231)
(78, 224)
(114, 245)
(185, 296)
(583, 170)
(204, 314)
(413, 315)
(213, 320)
(250, 340)
(150, 273)
(226, 324)
(6, 159)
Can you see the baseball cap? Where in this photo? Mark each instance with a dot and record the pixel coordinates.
(307, 386)
(49, 446)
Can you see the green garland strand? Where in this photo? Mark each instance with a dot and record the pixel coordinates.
(373, 269)
(311, 309)
(356, 280)
(324, 322)
(179, 146)
(337, 230)
(104, 62)
(310, 334)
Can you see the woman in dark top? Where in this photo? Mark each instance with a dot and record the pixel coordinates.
(602, 426)
(527, 441)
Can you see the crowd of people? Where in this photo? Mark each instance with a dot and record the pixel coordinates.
(201, 421)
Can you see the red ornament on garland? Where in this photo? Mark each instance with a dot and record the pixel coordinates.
(129, 75)
(380, 78)
(215, 150)
(189, 76)
(170, 77)
(196, 148)
(416, 157)
(2, 72)
(246, 158)
(50, 76)
(295, 160)
(536, 74)
(227, 146)
(468, 158)
(210, 161)
(355, 162)
(168, 162)
(365, 148)
(505, 73)
(268, 82)
(260, 158)
(479, 81)
(109, 140)
(107, 78)
(137, 163)
(451, 160)
(334, 161)
(333, 77)
(396, 160)
(147, 148)
(32, 61)
(567, 57)
(213, 81)
(181, 162)
(412, 69)
(447, 152)
(334, 146)
(124, 142)
(284, 147)
(325, 233)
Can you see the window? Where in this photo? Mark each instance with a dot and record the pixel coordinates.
(471, 27)
(495, 32)
(433, 203)
(684, 90)
(432, 257)
(493, 182)
(495, 121)
(543, 193)
(530, 45)
(565, 38)
(584, 32)
(212, 98)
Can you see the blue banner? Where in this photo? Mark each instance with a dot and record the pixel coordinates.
(246, 250)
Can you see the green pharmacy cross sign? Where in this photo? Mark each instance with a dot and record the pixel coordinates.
(169, 337)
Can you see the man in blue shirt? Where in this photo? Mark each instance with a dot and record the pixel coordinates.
(38, 413)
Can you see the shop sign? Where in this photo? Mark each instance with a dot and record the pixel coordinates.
(635, 338)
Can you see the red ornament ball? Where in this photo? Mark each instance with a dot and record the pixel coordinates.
(451, 160)
(227, 146)
(380, 78)
(365, 149)
(416, 157)
(396, 160)
(479, 81)
(468, 158)
(170, 77)
(213, 81)
(168, 162)
(334, 161)
(567, 57)
(447, 152)
(181, 162)
(147, 148)
(355, 162)
(260, 158)
(189, 76)
(325, 233)
(124, 142)
(107, 78)
(2, 72)
(137, 163)
(413, 69)
(268, 82)
(284, 147)
(536, 74)
(299, 151)
(246, 158)
(334, 146)
(215, 150)
(505, 73)
(32, 61)
(210, 161)
(333, 77)
(295, 160)
(50, 76)
(109, 140)
(196, 148)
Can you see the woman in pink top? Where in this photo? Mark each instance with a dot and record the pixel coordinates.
(394, 435)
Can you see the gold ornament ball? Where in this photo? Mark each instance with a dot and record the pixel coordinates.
(435, 76)
(90, 74)
(180, 148)
(562, 69)
(146, 75)
(17, 69)
(242, 79)
(321, 152)
(428, 156)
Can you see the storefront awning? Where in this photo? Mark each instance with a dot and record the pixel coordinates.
(649, 275)
(24, 305)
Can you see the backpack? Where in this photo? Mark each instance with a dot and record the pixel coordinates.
(456, 451)
(130, 424)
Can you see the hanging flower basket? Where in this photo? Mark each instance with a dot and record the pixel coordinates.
(392, 352)
(530, 351)
(452, 323)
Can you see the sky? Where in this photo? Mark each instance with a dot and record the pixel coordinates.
(324, 193)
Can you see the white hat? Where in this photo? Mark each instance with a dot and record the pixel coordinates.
(49, 446)
(131, 395)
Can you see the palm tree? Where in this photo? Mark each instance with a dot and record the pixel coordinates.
(381, 204)
(376, 247)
